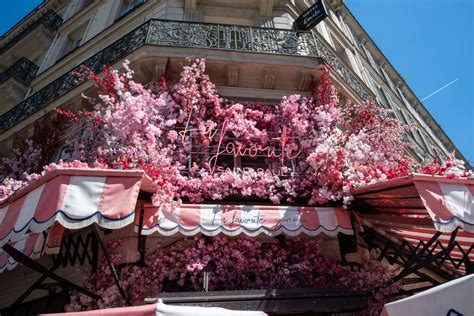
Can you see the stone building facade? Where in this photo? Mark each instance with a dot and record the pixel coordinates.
(252, 53)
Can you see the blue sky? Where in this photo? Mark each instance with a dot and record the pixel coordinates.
(429, 42)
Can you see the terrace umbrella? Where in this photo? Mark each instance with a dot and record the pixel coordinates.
(451, 298)
(161, 309)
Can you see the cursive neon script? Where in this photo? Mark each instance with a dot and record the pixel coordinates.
(236, 150)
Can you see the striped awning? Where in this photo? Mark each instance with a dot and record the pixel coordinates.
(416, 207)
(252, 220)
(33, 219)
(75, 198)
(448, 202)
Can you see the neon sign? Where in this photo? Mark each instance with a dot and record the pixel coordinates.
(282, 151)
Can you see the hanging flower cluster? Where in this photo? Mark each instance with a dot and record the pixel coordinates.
(452, 168)
(233, 264)
(198, 146)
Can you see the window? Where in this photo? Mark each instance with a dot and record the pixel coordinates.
(371, 59)
(382, 98)
(128, 5)
(388, 80)
(335, 18)
(73, 40)
(63, 153)
(71, 44)
(347, 56)
(427, 144)
(321, 28)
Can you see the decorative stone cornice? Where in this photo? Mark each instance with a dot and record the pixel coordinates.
(50, 20)
(23, 70)
(190, 5)
(304, 80)
(266, 8)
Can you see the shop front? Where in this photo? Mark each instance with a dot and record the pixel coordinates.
(172, 195)
(73, 202)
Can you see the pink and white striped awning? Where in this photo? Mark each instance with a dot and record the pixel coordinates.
(448, 202)
(252, 220)
(415, 207)
(74, 198)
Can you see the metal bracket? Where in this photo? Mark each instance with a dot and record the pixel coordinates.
(111, 266)
(76, 249)
(47, 273)
(412, 259)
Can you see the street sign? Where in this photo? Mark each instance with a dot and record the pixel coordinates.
(315, 14)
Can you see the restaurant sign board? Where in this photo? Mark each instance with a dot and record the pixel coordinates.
(311, 17)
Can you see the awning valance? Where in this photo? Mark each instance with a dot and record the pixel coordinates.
(448, 202)
(34, 218)
(75, 198)
(252, 220)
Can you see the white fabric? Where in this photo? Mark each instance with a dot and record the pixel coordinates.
(459, 200)
(457, 295)
(290, 218)
(249, 217)
(83, 196)
(173, 310)
(329, 219)
(210, 217)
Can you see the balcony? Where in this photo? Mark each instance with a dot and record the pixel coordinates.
(197, 36)
(23, 70)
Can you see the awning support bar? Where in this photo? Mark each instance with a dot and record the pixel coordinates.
(417, 255)
(32, 264)
(418, 264)
(35, 285)
(111, 266)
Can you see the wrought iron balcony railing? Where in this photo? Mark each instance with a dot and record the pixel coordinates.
(50, 20)
(191, 35)
(23, 70)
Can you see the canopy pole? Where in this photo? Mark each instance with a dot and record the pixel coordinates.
(141, 238)
(27, 261)
(109, 262)
(35, 285)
